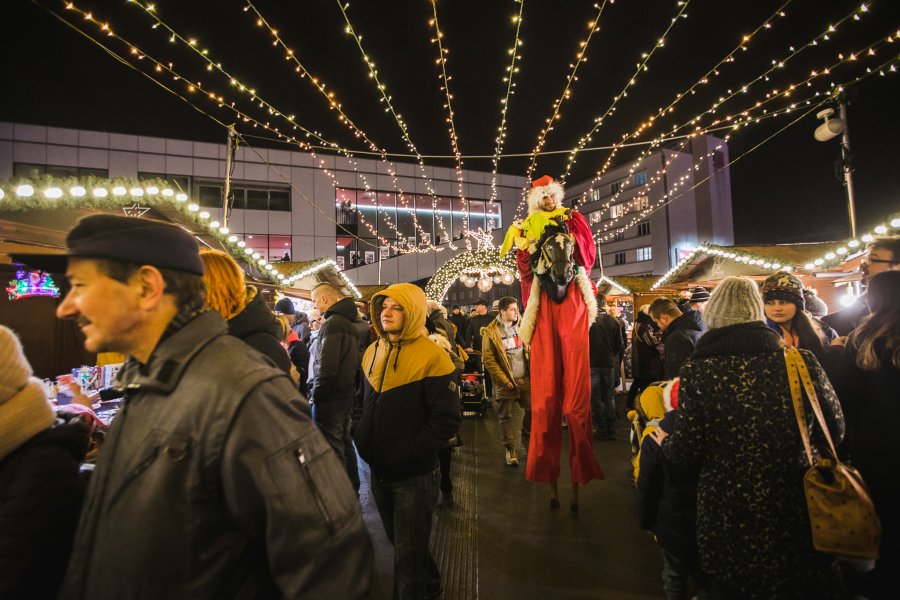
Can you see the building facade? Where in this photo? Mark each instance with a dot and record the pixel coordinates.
(648, 214)
(285, 204)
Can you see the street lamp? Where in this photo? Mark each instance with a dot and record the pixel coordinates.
(830, 129)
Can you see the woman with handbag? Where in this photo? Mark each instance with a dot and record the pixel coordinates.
(867, 380)
(737, 424)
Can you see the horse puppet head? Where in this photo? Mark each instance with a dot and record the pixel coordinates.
(553, 261)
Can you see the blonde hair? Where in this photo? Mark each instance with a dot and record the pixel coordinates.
(225, 288)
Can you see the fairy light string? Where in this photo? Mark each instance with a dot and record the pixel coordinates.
(509, 79)
(632, 81)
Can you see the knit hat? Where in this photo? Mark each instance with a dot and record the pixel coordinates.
(783, 286)
(735, 300)
(285, 306)
(814, 305)
(544, 186)
(699, 294)
(24, 408)
(670, 394)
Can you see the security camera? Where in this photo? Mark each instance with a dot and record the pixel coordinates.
(831, 128)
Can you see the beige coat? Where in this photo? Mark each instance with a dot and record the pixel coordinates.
(496, 363)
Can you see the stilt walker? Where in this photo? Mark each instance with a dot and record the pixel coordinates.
(557, 331)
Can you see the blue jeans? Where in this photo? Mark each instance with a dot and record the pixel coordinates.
(603, 399)
(333, 419)
(406, 507)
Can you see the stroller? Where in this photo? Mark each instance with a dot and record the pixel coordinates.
(471, 388)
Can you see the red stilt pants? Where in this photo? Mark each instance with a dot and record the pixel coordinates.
(561, 385)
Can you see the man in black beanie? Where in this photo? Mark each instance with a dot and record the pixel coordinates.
(212, 444)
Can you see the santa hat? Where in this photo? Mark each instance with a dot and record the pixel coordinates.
(670, 394)
(545, 186)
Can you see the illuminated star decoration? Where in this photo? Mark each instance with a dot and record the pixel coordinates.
(135, 210)
(485, 240)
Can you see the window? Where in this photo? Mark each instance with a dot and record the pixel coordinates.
(645, 253)
(639, 178)
(619, 235)
(595, 217)
(640, 203)
(619, 258)
(615, 187)
(180, 183)
(257, 199)
(616, 211)
(643, 228)
(595, 195)
(210, 195)
(30, 170)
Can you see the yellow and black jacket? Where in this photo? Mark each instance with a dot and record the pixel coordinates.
(411, 406)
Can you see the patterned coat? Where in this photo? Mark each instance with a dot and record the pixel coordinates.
(737, 423)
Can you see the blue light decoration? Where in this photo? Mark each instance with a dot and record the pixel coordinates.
(30, 284)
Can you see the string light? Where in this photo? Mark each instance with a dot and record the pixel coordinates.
(317, 266)
(727, 253)
(509, 79)
(854, 246)
(632, 81)
(580, 57)
(484, 262)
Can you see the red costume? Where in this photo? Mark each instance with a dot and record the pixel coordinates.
(560, 363)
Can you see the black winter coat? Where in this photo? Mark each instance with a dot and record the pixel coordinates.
(737, 425)
(257, 327)
(473, 330)
(680, 339)
(462, 323)
(668, 498)
(606, 342)
(337, 355)
(871, 407)
(40, 499)
(646, 350)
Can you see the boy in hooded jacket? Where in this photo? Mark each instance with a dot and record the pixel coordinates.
(410, 410)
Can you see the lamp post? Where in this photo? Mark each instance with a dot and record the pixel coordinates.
(829, 130)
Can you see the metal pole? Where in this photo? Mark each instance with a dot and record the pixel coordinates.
(229, 152)
(846, 167)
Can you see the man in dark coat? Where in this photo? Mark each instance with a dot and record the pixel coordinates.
(646, 354)
(461, 321)
(606, 346)
(681, 333)
(333, 373)
(213, 447)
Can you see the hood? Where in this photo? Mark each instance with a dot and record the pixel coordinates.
(645, 318)
(255, 318)
(412, 299)
(345, 307)
(689, 320)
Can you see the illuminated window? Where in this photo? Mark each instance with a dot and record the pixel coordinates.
(645, 253)
(616, 211)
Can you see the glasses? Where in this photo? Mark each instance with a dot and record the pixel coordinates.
(869, 261)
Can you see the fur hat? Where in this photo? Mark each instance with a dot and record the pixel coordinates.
(670, 394)
(783, 286)
(24, 408)
(545, 186)
(735, 300)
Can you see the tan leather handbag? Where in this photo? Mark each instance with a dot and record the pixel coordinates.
(841, 513)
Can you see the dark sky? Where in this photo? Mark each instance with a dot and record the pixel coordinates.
(784, 191)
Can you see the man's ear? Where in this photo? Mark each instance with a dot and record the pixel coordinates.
(152, 286)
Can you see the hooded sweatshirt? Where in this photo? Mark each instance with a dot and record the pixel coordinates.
(257, 327)
(411, 404)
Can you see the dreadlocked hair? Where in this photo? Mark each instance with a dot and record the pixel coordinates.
(225, 290)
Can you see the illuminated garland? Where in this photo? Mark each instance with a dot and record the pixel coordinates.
(483, 262)
(317, 266)
(853, 246)
(48, 193)
(725, 252)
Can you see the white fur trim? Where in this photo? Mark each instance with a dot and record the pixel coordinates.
(529, 317)
(537, 194)
(667, 394)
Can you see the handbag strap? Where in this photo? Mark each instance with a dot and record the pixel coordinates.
(793, 374)
(795, 359)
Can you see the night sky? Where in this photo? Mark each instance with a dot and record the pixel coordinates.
(782, 192)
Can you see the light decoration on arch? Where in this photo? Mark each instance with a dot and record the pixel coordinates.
(482, 267)
(641, 67)
(317, 266)
(612, 282)
(509, 80)
(854, 246)
(451, 122)
(742, 89)
(32, 284)
(49, 193)
(741, 257)
(261, 21)
(389, 108)
(580, 57)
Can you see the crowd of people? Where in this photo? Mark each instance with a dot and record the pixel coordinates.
(232, 467)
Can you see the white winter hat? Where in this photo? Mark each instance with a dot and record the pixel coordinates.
(735, 300)
(24, 408)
